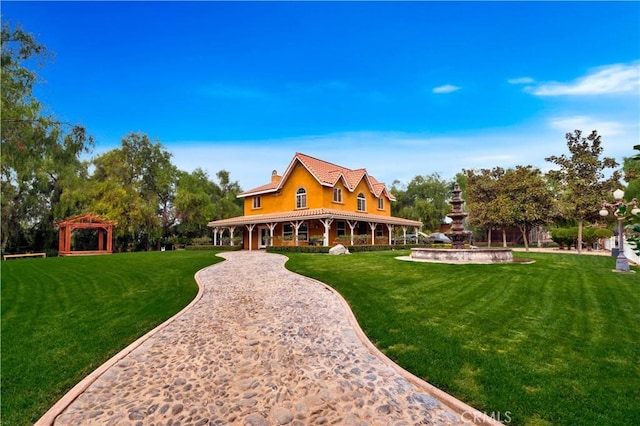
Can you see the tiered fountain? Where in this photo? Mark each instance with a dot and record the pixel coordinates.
(459, 237)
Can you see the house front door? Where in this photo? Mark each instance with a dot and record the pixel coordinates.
(263, 237)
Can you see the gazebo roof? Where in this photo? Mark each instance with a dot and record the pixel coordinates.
(86, 218)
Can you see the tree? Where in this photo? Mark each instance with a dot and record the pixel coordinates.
(488, 208)
(135, 186)
(40, 156)
(199, 201)
(581, 177)
(631, 175)
(527, 198)
(424, 199)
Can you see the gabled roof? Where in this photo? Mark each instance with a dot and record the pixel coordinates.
(85, 218)
(327, 174)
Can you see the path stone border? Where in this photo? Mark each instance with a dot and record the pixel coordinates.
(50, 416)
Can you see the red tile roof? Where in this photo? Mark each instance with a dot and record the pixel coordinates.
(327, 174)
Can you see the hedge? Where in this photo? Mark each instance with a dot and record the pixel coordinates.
(216, 248)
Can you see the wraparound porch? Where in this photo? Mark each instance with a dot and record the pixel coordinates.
(310, 227)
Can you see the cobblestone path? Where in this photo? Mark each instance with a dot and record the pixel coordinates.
(262, 346)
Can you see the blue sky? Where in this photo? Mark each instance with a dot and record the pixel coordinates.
(400, 88)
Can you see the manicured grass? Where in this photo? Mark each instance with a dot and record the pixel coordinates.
(556, 342)
(63, 317)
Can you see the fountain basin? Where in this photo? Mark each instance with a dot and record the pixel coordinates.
(477, 255)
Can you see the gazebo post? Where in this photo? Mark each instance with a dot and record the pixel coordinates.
(67, 239)
(101, 234)
(110, 239)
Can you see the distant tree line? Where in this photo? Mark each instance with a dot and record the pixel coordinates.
(44, 179)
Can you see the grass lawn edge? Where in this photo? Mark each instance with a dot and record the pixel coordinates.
(464, 410)
(50, 416)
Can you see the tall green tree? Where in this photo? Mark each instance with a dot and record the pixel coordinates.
(40, 156)
(135, 186)
(425, 198)
(528, 199)
(200, 200)
(581, 177)
(631, 175)
(488, 206)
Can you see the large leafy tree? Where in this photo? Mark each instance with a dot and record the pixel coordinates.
(581, 177)
(528, 199)
(199, 200)
(425, 198)
(631, 174)
(631, 169)
(40, 156)
(134, 185)
(489, 208)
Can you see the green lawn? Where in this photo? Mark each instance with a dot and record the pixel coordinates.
(63, 317)
(556, 342)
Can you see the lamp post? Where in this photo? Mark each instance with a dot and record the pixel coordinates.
(620, 209)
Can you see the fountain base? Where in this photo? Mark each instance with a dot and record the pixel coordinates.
(477, 255)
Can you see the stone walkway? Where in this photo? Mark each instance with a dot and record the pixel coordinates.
(259, 346)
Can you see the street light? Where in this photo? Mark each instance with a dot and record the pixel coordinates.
(620, 209)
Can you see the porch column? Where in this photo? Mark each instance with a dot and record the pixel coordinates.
(327, 226)
(390, 229)
(250, 228)
(296, 226)
(373, 227)
(352, 224)
(231, 230)
(404, 233)
(215, 236)
(272, 227)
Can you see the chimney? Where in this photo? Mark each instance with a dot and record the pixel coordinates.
(275, 177)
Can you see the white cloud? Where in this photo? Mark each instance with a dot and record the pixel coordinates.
(521, 80)
(609, 79)
(447, 88)
(587, 124)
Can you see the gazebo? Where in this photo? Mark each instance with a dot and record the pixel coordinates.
(103, 226)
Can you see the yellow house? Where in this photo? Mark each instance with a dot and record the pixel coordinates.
(315, 202)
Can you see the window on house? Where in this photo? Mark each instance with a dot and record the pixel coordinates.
(287, 232)
(257, 202)
(362, 203)
(303, 232)
(341, 227)
(337, 195)
(381, 203)
(379, 231)
(301, 198)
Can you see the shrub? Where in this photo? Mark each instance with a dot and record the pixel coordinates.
(565, 237)
(298, 249)
(212, 247)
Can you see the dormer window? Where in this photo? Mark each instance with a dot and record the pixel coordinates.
(362, 203)
(380, 203)
(301, 198)
(337, 195)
